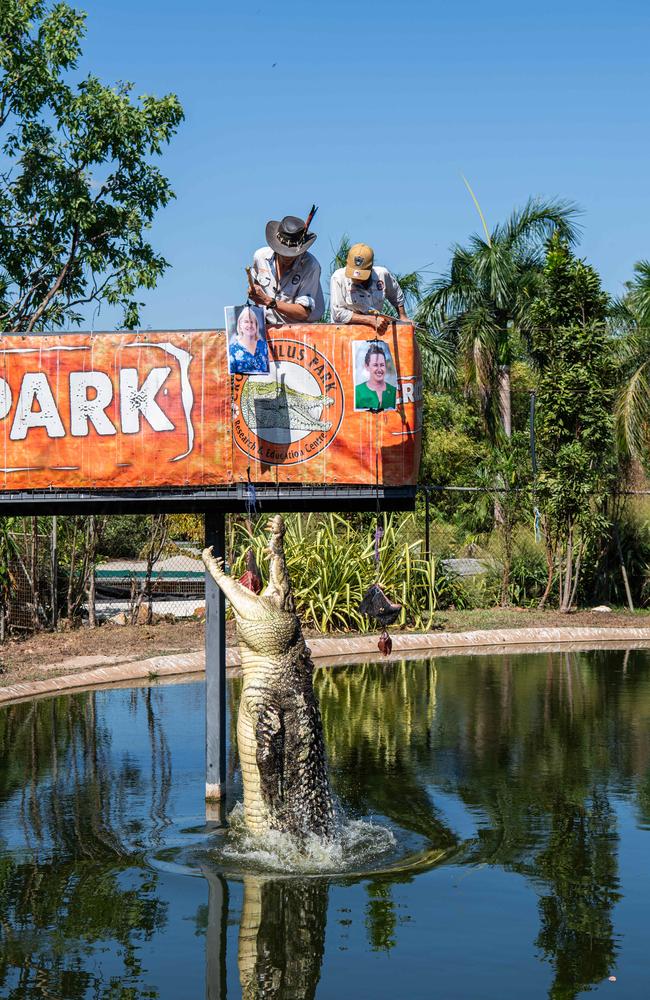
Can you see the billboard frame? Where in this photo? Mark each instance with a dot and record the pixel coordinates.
(233, 499)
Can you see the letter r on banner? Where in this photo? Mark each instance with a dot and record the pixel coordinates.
(83, 409)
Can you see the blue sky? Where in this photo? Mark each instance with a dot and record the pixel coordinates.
(374, 111)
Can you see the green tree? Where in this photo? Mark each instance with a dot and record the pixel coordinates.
(632, 318)
(78, 190)
(574, 420)
(482, 304)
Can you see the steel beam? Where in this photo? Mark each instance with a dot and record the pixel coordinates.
(227, 499)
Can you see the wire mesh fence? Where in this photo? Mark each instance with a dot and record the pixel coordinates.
(32, 593)
(125, 568)
(134, 591)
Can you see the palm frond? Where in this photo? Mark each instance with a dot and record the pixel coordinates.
(639, 293)
(340, 253)
(450, 294)
(632, 414)
(497, 271)
(411, 285)
(439, 353)
(537, 221)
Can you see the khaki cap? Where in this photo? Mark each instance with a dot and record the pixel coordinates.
(359, 262)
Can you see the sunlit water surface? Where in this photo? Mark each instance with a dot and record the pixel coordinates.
(494, 840)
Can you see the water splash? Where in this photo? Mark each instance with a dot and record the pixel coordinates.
(357, 843)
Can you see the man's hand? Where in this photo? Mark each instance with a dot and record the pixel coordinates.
(377, 321)
(258, 295)
(381, 323)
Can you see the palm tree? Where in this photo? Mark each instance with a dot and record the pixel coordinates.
(632, 324)
(481, 305)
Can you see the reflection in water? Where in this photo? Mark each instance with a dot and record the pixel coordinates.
(71, 880)
(281, 938)
(534, 753)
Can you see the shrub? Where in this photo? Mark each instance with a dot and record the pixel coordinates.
(332, 565)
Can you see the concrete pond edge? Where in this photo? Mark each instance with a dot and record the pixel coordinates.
(338, 650)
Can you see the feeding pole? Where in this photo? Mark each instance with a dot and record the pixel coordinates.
(215, 666)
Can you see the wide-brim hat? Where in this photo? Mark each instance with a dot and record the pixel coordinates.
(288, 237)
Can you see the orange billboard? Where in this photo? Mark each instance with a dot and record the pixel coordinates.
(119, 410)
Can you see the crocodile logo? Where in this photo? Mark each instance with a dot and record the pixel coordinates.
(292, 414)
(276, 405)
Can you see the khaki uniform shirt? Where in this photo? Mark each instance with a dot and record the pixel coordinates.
(300, 284)
(348, 296)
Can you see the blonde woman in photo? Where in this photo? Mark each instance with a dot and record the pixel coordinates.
(248, 351)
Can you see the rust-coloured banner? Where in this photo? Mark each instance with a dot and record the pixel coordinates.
(159, 409)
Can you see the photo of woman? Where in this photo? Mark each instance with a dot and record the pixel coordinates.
(373, 367)
(248, 352)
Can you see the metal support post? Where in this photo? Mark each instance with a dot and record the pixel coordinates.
(215, 937)
(215, 666)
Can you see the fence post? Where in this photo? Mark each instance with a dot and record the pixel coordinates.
(215, 667)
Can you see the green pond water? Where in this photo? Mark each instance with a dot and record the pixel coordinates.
(495, 817)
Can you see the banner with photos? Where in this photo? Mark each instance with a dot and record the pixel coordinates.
(323, 405)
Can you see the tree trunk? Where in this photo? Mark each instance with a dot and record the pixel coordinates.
(92, 545)
(505, 410)
(548, 545)
(565, 604)
(505, 415)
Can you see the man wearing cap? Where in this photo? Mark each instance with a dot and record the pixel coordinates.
(285, 277)
(358, 290)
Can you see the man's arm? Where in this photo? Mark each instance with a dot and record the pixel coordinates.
(293, 311)
(376, 321)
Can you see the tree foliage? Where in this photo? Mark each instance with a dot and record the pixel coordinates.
(482, 304)
(78, 190)
(574, 421)
(633, 355)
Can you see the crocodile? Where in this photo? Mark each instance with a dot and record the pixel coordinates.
(279, 727)
(277, 405)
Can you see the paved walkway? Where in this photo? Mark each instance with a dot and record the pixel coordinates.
(332, 651)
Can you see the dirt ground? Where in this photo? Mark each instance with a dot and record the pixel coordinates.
(49, 654)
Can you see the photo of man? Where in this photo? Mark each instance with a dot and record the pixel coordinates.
(248, 352)
(375, 378)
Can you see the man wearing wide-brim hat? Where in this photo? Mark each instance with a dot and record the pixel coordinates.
(285, 277)
(358, 291)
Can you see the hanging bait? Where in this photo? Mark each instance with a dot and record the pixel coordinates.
(385, 644)
(251, 577)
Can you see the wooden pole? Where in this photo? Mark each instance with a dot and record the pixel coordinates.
(215, 667)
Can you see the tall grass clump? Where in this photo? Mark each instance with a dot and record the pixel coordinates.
(332, 564)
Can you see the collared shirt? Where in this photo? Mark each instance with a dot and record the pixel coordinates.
(366, 398)
(300, 284)
(348, 296)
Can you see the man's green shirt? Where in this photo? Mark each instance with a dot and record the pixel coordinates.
(367, 399)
